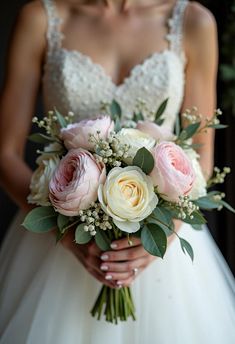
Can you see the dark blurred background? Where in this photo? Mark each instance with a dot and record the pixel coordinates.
(221, 224)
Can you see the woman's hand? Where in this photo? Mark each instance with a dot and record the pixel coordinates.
(124, 262)
(89, 255)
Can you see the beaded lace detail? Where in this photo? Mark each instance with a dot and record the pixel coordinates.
(74, 82)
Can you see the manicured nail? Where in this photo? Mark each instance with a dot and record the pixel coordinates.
(119, 283)
(113, 245)
(104, 257)
(109, 277)
(104, 267)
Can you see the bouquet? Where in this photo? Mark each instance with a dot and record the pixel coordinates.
(106, 179)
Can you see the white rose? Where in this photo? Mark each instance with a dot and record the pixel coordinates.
(128, 197)
(136, 139)
(199, 186)
(39, 185)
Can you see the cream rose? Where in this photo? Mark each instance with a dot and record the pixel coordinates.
(77, 135)
(75, 182)
(128, 197)
(136, 139)
(173, 173)
(39, 185)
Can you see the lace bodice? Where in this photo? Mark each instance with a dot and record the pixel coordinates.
(73, 82)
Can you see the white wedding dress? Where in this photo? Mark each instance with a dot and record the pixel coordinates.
(46, 294)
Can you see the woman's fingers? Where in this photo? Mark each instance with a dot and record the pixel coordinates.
(125, 243)
(125, 254)
(128, 266)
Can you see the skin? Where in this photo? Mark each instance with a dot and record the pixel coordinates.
(96, 28)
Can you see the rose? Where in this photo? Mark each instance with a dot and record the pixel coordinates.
(39, 185)
(128, 197)
(173, 173)
(75, 182)
(77, 135)
(136, 139)
(199, 185)
(159, 133)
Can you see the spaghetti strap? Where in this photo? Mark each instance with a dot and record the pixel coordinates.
(54, 34)
(175, 23)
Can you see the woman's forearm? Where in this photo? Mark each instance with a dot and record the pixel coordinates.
(15, 178)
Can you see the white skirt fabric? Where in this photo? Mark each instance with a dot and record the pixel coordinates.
(46, 295)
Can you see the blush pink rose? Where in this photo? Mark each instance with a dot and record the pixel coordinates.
(157, 132)
(75, 182)
(173, 173)
(77, 135)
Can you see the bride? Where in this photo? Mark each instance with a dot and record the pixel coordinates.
(84, 52)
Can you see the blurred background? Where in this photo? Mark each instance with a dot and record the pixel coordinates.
(221, 224)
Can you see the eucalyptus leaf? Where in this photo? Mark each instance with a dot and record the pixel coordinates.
(117, 126)
(159, 121)
(162, 221)
(198, 218)
(102, 240)
(144, 160)
(62, 222)
(189, 131)
(197, 227)
(62, 121)
(186, 248)
(218, 126)
(154, 240)
(82, 237)
(115, 110)
(40, 220)
(161, 109)
(40, 138)
(227, 206)
(138, 116)
(207, 203)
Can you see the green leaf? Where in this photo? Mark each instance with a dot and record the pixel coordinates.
(154, 240)
(41, 220)
(186, 248)
(138, 117)
(162, 220)
(161, 109)
(118, 125)
(227, 206)
(102, 240)
(144, 160)
(218, 126)
(82, 237)
(41, 138)
(198, 218)
(207, 203)
(197, 227)
(62, 121)
(189, 131)
(177, 125)
(62, 222)
(115, 109)
(159, 121)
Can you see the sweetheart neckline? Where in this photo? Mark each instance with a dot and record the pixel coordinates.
(139, 65)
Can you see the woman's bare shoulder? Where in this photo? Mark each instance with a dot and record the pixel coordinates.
(199, 19)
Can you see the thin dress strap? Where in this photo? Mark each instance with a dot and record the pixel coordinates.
(54, 35)
(175, 36)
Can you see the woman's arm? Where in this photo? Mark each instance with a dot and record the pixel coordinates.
(17, 99)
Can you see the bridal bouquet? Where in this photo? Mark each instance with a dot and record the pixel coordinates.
(105, 181)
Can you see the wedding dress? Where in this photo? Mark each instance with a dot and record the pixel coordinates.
(46, 294)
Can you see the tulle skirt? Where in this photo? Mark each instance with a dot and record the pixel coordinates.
(46, 295)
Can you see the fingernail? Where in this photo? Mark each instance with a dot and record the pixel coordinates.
(119, 286)
(104, 257)
(109, 277)
(119, 283)
(104, 267)
(113, 245)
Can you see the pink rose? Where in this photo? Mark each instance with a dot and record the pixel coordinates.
(173, 173)
(75, 182)
(157, 132)
(77, 135)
